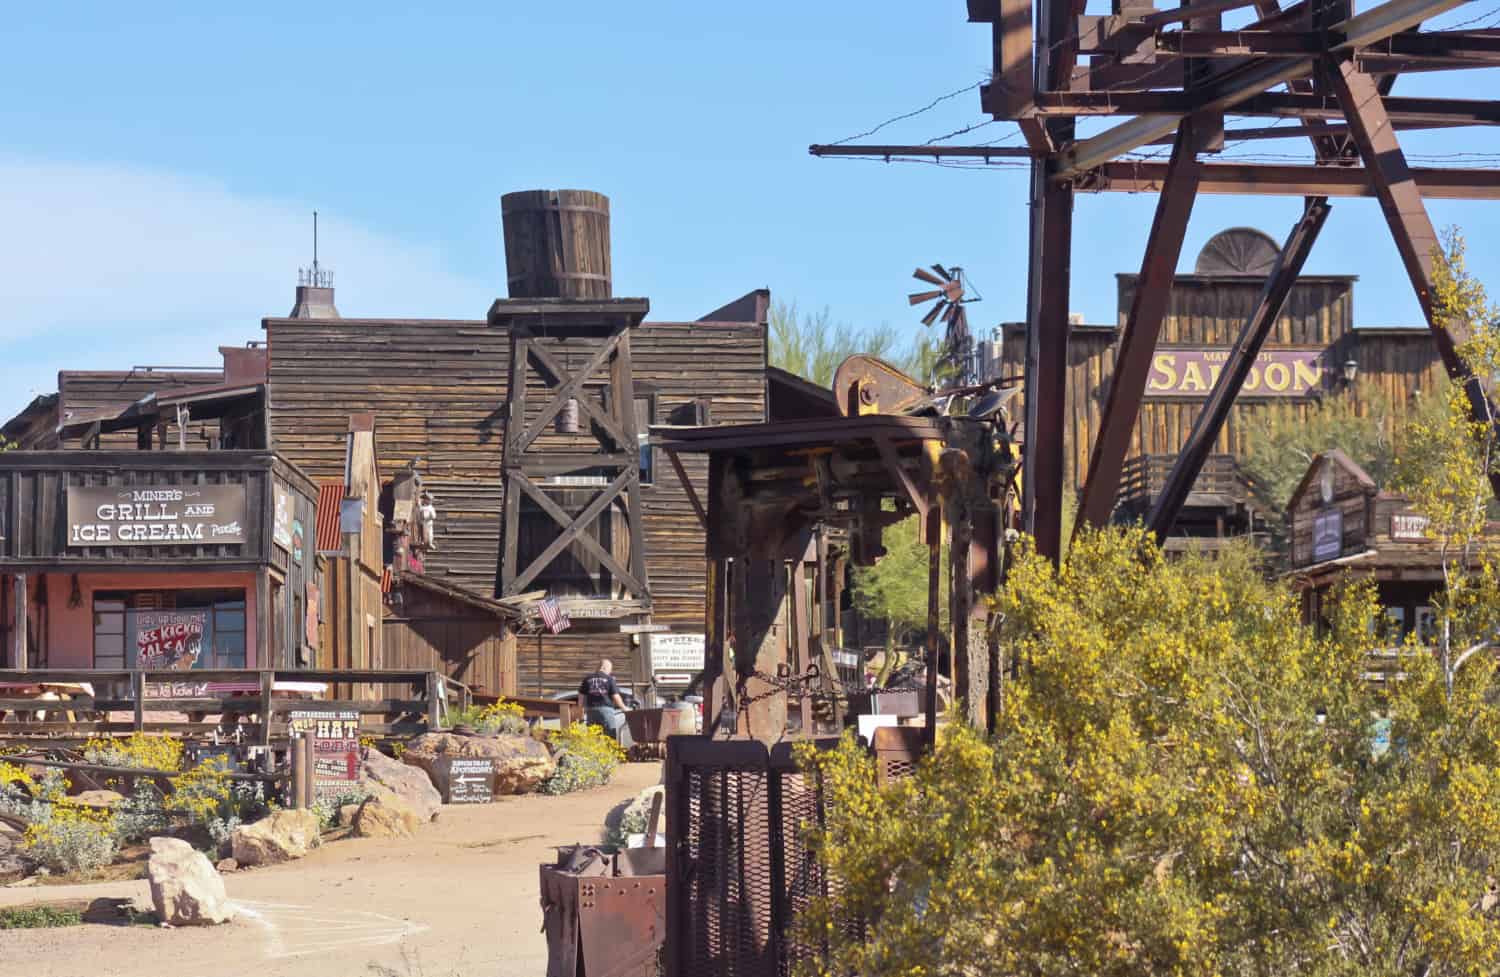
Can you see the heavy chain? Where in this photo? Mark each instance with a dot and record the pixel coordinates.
(807, 685)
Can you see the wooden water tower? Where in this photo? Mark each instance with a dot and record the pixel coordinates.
(570, 462)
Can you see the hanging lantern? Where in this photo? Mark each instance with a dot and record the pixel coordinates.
(567, 418)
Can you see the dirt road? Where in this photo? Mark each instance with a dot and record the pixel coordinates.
(458, 900)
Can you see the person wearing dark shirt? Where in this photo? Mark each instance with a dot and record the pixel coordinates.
(599, 698)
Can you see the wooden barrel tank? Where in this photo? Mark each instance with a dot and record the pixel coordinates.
(556, 244)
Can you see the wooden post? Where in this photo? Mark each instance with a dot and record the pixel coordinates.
(267, 691)
(23, 620)
(298, 760)
(934, 536)
(715, 614)
(138, 693)
(760, 633)
(969, 649)
(434, 714)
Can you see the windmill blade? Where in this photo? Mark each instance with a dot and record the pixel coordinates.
(942, 272)
(917, 298)
(928, 277)
(954, 311)
(937, 310)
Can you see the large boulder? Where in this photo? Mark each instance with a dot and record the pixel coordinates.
(406, 782)
(281, 837)
(98, 798)
(385, 817)
(521, 763)
(185, 889)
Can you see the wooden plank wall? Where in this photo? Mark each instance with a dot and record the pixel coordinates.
(1209, 311)
(437, 387)
(558, 662)
(431, 632)
(86, 391)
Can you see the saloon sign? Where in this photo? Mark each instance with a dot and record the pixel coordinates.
(1276, 372)
(156, 515)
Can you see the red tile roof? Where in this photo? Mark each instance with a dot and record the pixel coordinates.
(330, 497)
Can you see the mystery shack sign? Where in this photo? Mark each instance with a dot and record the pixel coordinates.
(1276, 372)
(158, 515)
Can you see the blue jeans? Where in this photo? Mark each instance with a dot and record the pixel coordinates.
(613, 721)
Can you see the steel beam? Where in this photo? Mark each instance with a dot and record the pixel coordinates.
(1153, 290)
(1222, 95)
(1247, 346)
(1401, 202)
(1046, 360)
(1391, 17)
(1291, 180)
(1401, 109)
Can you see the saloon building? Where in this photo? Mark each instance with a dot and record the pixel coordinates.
(1314, 349)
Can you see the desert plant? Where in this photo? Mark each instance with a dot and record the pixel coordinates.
(38, 917)
(72, 840)
(586, 757)
(138, 750)
(327, 808)
(500, 718)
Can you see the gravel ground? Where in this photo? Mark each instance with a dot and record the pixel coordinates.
(460, 899)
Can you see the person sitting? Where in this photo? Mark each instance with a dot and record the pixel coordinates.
(599, 698)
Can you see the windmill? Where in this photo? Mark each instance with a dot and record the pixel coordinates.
(957, 353)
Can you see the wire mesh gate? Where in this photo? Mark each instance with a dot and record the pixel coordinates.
(738, 871)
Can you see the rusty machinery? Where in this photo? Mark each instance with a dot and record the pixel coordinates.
(901, 448)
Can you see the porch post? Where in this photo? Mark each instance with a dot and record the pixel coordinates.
(23, 616)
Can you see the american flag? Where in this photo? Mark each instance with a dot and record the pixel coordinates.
(553, 615)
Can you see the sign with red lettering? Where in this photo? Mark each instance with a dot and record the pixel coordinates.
(1177, 372)
(169, 639)
(335, 743)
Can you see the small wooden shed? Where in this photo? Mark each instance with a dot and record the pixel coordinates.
(430, 624)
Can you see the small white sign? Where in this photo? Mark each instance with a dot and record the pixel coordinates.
(1408, 525)
(677, 652)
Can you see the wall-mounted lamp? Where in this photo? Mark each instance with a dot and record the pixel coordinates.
(75, 596)
(1351, 370)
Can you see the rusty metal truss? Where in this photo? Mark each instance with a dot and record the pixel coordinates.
(1168, 77)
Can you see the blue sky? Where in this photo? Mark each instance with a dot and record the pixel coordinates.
(159, 165)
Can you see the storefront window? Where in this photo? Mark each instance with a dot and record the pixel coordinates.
(170, 629)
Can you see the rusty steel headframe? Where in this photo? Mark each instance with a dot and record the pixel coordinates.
(1176, 72)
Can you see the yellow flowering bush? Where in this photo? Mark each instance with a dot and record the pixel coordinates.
(499, 717)
(72, 840)
(1183, 780)
(586, 757)
(141, 750)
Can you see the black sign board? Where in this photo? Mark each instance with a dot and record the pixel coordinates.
(470, 780)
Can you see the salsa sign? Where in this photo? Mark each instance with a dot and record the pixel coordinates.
(170, 640)
(183, 515)
(1275, 373)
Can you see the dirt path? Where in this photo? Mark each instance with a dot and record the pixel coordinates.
(459, 900)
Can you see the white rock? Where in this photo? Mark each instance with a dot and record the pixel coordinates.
(185, 889)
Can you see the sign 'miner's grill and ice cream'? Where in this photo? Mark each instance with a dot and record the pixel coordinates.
(156, 515)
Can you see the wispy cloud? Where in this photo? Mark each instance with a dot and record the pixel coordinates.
(108, 267)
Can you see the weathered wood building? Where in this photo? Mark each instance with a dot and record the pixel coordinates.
(439, 391)
(1314, 349)
(165, 559)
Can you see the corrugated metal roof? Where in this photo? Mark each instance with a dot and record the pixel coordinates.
(330, 495)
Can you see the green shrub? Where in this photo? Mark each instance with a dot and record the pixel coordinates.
(327, 808)
(586, 757)
(38, 917)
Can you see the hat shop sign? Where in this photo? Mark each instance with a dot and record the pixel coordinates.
(162, 515)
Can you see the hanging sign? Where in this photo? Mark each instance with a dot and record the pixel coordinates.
(183, 515)
(1328, 535)
(312, 615)
(297, 540)
(1275, 373)
(281, 521)
(169, 640)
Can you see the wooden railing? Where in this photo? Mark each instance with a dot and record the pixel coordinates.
(564, 711)
(246, 702)
(1144, 477)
